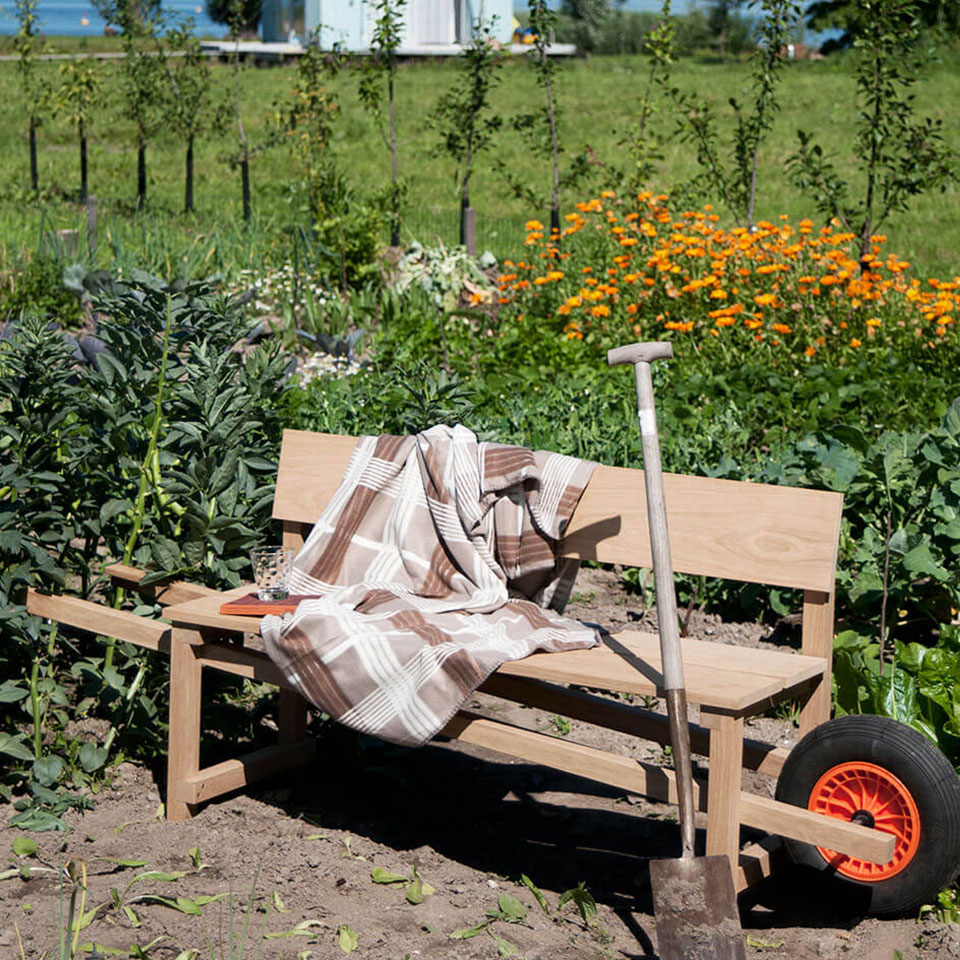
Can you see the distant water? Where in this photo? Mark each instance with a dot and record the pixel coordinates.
(77, 18)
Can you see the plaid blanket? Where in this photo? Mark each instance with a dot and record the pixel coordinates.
(434, 563)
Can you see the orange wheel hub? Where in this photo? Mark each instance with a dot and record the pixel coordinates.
(865, 793)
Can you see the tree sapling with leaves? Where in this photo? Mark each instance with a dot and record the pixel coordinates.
(379, 69)
(77, 97)
(142, 72)
(736, 182)
(899, 155)
(461, 116)
(306, 120)
(27, 42)
(541, 127)
(192, 104)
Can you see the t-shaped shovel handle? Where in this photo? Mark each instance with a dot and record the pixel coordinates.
(641, 355)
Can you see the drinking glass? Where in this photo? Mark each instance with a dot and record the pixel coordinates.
(271, 571)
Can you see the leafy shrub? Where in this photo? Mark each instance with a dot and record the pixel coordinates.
(163, 454)
(36, 288)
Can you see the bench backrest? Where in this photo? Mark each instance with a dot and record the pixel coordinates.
(758, 533)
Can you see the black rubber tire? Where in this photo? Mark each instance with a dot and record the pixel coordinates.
(920, 767)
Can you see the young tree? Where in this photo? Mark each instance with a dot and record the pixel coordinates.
(77, 97)
(899, 156)
(462, 114)
(645, 143)
(736, 181)
(192, 106)
(380, 69)
(242, 156)
(306, 120)
(26, 42)
(143, 73)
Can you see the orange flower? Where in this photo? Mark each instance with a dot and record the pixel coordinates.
(810, 351)
(855, 342)
(533, 225)
(781, 328)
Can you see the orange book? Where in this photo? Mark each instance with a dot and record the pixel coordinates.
(251, 605)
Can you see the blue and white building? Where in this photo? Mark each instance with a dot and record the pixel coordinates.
(430, 26)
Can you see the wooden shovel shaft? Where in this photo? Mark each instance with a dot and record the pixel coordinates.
(673, 681)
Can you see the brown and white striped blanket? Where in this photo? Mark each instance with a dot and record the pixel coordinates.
(434, 563)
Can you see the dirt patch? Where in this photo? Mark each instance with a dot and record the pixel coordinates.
(303, 848)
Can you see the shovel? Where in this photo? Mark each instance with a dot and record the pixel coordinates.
(694, 903)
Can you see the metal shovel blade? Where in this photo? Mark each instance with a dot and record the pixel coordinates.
(696, 910)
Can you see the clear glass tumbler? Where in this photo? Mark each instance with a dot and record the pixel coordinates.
(271, 571)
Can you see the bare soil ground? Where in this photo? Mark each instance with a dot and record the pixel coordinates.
(299, 851)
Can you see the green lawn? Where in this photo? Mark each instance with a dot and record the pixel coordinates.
(598, 98)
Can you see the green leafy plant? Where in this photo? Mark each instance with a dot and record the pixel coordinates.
(192, 107)
(899, 155)
(77, 97)
(27, 43)
(379, 71)
(142, 73)
(462, 115)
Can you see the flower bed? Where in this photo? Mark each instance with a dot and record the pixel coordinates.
(630, 266)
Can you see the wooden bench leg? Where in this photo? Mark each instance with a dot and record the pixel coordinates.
(723, 788)
(183, 756)
(292, 719)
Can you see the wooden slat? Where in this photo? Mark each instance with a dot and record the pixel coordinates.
(235, 774)
(660, 784)
(179, 591)
(183, 745)
(757, 862)
(240, 661)
(102, 620)
(205, 612)
(630, 662)
(723, 787)
(817, 642)
(757, 755)
(753, 532)
(311, 468)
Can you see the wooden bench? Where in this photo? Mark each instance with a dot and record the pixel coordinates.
(756, 533)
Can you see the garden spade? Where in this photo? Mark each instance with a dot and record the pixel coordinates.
(694, 903)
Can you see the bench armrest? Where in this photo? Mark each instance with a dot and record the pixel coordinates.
(96, 618)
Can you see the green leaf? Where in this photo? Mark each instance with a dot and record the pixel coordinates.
(921, 561)
(47, 770)
(278, 903)
(24, 847)
(583, 900)
(347, 937)
(535, 890)
(512, 909)
(504, 947)
(11, 693)
(131, 915)
(379, 875)
(303, 929)
(469, 932)
(92, 757)
(14, 747)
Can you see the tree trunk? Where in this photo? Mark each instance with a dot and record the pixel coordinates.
(83, 164)
(141, 172)
(188, 185)
(555, 149)
(34, 181)
(245, 186)
(395, 212)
